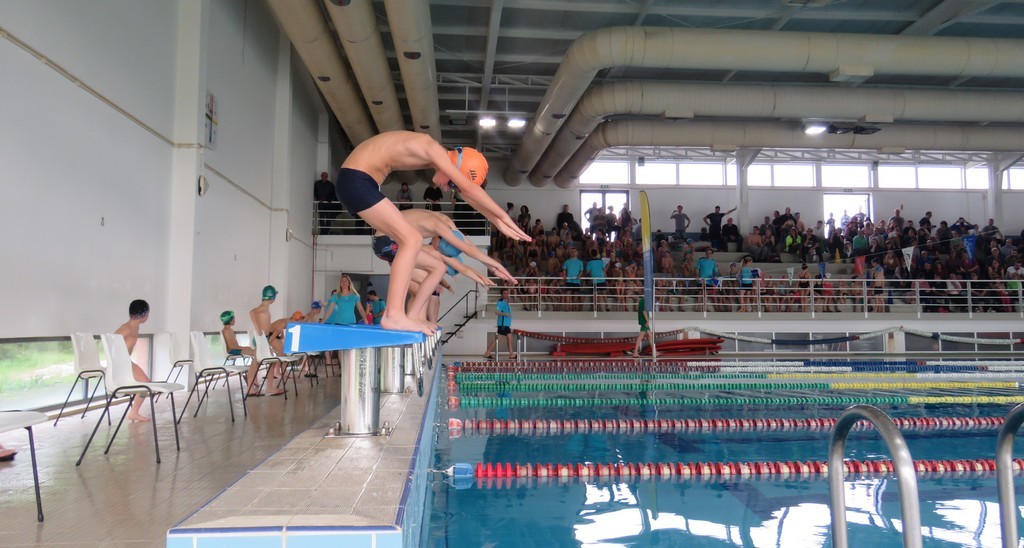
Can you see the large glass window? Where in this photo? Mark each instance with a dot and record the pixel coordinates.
(1014, 178)
(656, 173)
(897, 177)
(845, 176)
(759, 175)
(800, 175)
(701, 173)
(940, 177)
(606, 173)
(976, 178)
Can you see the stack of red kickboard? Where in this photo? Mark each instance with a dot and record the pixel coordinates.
(682, 347)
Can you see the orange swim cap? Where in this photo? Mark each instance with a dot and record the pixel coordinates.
(471, 163)
(297, 316)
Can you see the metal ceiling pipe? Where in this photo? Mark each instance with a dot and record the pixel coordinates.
(828, 103)
(412, 33)
(783, 135)
(842, 56)
(305, 26)
(356, 25)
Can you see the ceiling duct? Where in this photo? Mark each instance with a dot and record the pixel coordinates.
(305, 26)
(705, 49)
(413, 36)
(694, 133)
(827, 103)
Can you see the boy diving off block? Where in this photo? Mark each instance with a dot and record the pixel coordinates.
(358, 187)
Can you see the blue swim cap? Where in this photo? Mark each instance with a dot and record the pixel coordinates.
(447, 249)
(451, 271)
(316, 305)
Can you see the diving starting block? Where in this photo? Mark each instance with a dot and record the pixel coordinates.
(316, 337)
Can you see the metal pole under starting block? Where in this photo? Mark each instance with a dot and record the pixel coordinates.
(392, 372)
(360, 392)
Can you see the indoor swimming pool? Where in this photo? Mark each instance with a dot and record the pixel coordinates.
(606, 453)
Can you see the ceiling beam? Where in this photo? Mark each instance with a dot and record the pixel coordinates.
(492, 47)
(943, 14)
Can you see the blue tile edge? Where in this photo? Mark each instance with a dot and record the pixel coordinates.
(417, 466)
(342, 529)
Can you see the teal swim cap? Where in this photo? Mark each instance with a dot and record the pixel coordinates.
(227, 316)
(447, 249)
(269, 293)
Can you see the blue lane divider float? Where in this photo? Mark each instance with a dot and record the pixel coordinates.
(315, 337)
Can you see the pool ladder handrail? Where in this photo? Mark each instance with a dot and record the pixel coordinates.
(1004, 475)
(906, 476)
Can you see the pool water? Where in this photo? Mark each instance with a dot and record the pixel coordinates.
(674, 511)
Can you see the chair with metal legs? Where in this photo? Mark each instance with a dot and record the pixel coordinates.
(171, 353)
(209, 372)
(120, 381)
(87, 366)
(265, 356)
(12, 420)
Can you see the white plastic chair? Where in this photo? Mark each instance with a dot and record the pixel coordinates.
(120, 382)
(265, 356)
(171, 354)
(87, 366)
(12, 420)
(208, 370)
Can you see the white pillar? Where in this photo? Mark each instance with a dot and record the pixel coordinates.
(744, 157)
(187, 158)
(278, 266)
(997, 164)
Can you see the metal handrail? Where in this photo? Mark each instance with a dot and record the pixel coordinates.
(334, 217)
(770, 295)
(906, 476)
(464, 297)
(1004, 475)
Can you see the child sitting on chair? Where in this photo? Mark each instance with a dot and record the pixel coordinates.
(358, 187)
(227, 334)
(138, 313)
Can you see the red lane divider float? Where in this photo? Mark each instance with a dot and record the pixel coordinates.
(614, 347)
(723, 470)
(596, 366)
(539, 427)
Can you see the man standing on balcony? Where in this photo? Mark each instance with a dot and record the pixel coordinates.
(326, 202)
(404, 200)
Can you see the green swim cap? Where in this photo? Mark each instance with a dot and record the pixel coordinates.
(227, 316)
(269, 293)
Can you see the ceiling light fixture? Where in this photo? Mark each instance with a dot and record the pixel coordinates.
(516, 123)
(487, 122)
(815, 129)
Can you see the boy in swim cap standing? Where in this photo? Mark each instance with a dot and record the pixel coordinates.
(358, 187)
(138, 313)
(227, 334)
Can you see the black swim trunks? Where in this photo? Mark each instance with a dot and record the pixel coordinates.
(357, 190)
(384, 247)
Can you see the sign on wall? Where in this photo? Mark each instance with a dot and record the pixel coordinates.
(211, 121)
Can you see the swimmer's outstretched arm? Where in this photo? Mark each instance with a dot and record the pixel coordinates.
(458, 266)
(474, 252)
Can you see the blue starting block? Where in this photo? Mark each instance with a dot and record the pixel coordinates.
(315, 337)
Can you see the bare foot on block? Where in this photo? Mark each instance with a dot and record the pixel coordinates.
(404, 323)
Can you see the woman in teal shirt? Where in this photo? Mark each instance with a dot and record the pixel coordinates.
(342, 306)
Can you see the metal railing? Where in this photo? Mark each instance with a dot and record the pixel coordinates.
(464, 298)
(1004, 475)
(906, 476)
(331, 218)
(811, 297)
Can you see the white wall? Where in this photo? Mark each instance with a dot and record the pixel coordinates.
(86, 189)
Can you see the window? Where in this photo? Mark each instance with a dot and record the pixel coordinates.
(1014, 178)
(606, 173)
(701, 173)
(801, 175)
(759, 175)
(977, 178)
(940, 177)
(656, 173)
(897, 177)
(840, 176)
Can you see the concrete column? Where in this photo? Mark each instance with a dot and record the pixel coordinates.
(280, 200)
(997, 163)
(744, 157)
(187, 159)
